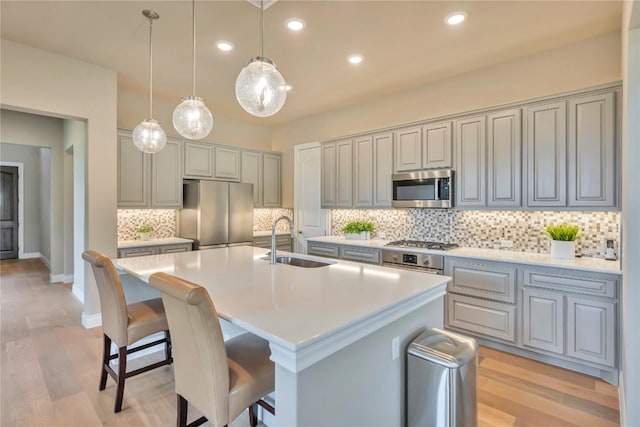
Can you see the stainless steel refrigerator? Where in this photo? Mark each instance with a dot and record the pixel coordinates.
(216, 213)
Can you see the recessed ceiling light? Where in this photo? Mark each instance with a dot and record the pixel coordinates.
(288, 87)
(355, 58)
(224, 45)
(295, 24)
(455, 18)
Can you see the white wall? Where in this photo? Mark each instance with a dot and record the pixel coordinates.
(576, 66)
(46, 211)
(40, 82)
(630, 377)
(30, 158)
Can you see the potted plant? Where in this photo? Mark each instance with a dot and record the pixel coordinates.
(563, 238)
(144, 232)
(358, 230)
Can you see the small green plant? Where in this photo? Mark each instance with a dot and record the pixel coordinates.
(564, 232)
(146, 228)
(357, 227)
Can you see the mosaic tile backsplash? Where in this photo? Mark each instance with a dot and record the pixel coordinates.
(486, 229)
(163, 221)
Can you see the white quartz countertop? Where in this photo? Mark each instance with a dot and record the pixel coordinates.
(268, 233)
(544, 260)
(122, 244)
(293, 307)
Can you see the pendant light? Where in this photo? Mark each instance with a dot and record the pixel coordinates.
(260, 88)
(192, 119)
(148, 136)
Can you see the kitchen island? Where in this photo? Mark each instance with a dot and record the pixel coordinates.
(337, 333)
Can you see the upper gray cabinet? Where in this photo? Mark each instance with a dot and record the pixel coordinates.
(545, 151)
(198, 159)
(504, 142)
(344, 174)
(328, 182)
(227, 163)
(471, 145)
(149, 180)
(591, 177)
(423, 147)
(263, 170)
(363, 171)
(382, 169)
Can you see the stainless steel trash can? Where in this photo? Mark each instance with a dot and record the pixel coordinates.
(441, 380)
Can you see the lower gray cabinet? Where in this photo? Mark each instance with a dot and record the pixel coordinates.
(323, 249)
(154, 250)
(346, 252)
(543, 320)
(591, 330)
(488, 318)
(283, 242)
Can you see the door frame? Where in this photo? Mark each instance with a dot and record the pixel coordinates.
(20, 167)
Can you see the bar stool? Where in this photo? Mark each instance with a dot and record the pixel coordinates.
(124, 324)
(220, 379)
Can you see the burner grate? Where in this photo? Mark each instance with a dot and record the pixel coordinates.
(422, 244)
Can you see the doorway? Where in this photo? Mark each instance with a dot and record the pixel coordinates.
(9, 212)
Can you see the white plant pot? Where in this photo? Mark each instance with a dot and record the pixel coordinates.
(562, 249)
(144, 236)
(364, 235)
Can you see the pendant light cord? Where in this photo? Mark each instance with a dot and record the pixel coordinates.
(262, 28)
(193, 27)
(150, 68)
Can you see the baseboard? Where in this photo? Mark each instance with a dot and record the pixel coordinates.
(46, 261)
(29, 255)
(78, 292)
(91, 321)
(64, 278)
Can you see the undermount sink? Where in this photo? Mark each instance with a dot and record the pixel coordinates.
(298, 262)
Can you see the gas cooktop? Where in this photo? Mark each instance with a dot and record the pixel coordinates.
(423, 245)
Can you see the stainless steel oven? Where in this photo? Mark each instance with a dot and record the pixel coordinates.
(407, 260)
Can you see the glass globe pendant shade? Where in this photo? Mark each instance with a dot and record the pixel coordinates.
(149, 137)
(192, 119)
(260, 88)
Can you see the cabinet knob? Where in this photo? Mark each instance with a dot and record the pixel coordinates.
(299, 231)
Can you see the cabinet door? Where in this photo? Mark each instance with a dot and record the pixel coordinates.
(408, 149)
(133, 174)
(252, 174)
(328, 183)
(545, 151)
(504, 141)
(543, 320)
(363, 172)
(592, 151)
(488, 318)
(227, 161)
(383, 169)
(198, 159)
(591, 330)
(436, 149)
(166, 176)
(470, 174)
(344, 174)
(271, 180)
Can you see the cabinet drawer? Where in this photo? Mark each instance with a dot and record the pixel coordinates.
(483, 317)
(573, 281)
(360, 254)
(262, 242)
(169, 249)
(133, 252)
(283, 242)
(484, 280)
(331, 251)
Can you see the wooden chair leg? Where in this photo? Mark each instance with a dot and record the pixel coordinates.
(168, 348)
(182, 411)
(106, 352)
(253, 415)
(122, 375)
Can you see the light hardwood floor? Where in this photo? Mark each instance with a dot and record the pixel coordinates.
(49, 368)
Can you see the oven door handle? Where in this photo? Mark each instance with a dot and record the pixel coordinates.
(413, 268)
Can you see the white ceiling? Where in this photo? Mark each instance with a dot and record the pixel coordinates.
(405, 43)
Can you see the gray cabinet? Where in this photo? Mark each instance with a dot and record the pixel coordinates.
(591, 148)
(346, 252)
(543, 320)
(363, 172)
(382, 170)
(471, 166)
(263, 170)
(504, 142)
(198, 159)
(337, 174)
(545, 152)
(484, 279)
(323, 249)
(283, 242)
(488, 318)
(591, 330)
(437, 145)
(408, 149)
(154, 250)
(149, 180)
(227, 163)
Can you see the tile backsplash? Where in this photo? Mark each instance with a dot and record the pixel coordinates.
(164, 221)
(486, 229)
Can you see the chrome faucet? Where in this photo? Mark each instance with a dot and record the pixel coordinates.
(273, 235)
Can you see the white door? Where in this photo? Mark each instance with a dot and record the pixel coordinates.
(310, 220)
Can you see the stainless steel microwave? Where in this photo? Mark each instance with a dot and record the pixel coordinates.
(423, 189)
